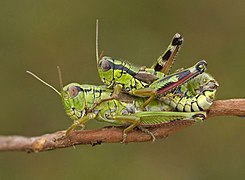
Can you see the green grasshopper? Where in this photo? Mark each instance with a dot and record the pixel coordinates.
(77, 99)
(85, 102)
(156, 81)
(122, 77)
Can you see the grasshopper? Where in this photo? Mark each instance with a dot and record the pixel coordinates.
(139, 87)
(157, 82)
(77, 99)
(187, 88)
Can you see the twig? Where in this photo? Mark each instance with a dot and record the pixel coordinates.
(231, 107)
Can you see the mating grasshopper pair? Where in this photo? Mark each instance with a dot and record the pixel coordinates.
(153, 96)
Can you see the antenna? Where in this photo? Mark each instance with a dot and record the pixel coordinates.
(60, 78)
(97, 40)
(47, 84)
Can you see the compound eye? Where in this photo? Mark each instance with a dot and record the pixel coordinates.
(105, 65)
(73, 91)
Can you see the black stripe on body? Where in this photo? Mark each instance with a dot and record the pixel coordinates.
(122, 70)
(87, 90)
(179, 103)
(125, 70)
(201, 109)
(93, 93)
(99, 92)
(185, 107)
(192, 110)
(121, 67)
(79, 89)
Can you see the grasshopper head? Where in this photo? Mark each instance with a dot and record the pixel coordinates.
(106, 70)
(73, 100)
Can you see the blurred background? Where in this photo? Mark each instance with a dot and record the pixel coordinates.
(39, 35)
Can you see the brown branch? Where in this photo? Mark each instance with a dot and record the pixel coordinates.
(231, 107)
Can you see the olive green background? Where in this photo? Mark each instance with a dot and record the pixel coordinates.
(39, 35)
